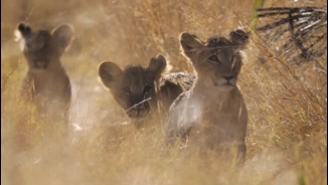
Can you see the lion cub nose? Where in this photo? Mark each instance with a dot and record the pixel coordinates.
(228, 78)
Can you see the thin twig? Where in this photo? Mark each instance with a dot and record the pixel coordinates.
(7, 78)
(136, 105)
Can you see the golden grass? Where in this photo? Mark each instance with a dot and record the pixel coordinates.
(287, 132)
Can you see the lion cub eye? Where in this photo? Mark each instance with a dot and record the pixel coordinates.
(147, 89)
(126, 90)
(214, 59)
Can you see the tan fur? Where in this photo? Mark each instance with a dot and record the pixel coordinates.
(46, 84)
(133, 86)
(212, 115)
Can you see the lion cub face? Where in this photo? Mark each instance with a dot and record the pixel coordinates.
(217, 61)
(135, 87)
(42, 48)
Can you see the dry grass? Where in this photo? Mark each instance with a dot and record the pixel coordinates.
(287, 133)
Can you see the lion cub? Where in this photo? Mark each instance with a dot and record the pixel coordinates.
(46, 84)
(140, 90)
(212, 114)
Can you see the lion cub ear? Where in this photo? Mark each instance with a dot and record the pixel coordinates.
(239, 38)
(63, 35)
(24, 30)
(157, 65)
(109, 73)
(190, 44)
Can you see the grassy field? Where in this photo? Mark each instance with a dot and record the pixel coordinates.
(287, 131)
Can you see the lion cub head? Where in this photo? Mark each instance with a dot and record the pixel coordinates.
(42, 48)
(135, 88)
(217, 61)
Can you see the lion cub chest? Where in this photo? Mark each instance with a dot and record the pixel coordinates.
(47, 87)
(223, 120)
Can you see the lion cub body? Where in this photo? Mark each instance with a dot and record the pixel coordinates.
(144, 91)
(212, 115)
(46, 84)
